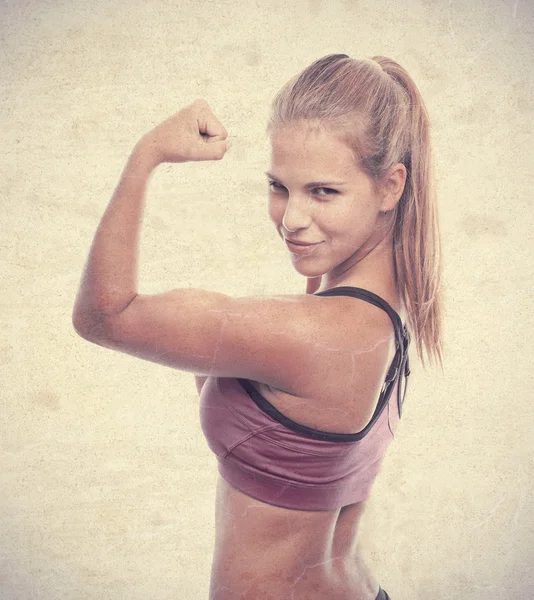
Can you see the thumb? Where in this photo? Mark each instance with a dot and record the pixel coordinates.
(209, 126)
(214, 149)
(214, 128)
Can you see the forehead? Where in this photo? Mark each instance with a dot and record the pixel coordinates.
(306, 145)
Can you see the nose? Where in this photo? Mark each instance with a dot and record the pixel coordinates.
(297, 215)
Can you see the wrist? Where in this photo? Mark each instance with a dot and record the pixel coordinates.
(143, 157)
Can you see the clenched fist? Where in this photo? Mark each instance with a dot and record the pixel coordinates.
(192, 134)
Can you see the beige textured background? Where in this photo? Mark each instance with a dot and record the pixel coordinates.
(107, 485)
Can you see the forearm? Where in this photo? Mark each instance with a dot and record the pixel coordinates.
(109, 281)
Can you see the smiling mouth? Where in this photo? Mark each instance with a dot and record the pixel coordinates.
(302, 243)
(302, 249)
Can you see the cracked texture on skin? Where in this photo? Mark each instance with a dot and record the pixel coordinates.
(230, 316)
(72, 104)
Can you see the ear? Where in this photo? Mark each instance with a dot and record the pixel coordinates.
(393, 187)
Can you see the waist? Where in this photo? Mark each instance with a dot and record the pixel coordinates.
(272, 581)
(272, 552)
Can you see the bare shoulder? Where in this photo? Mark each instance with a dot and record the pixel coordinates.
(290, 342)
(354, 344)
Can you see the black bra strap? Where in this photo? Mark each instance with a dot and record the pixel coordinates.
(400, 365)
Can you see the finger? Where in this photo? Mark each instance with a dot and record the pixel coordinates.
(210, 151)
(209, 124)
(214, 128)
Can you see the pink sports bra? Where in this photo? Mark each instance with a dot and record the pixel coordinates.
(272, 458)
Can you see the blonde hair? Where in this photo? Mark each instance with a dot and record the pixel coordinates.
(375, 108)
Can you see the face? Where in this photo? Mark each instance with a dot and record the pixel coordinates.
(319, 196)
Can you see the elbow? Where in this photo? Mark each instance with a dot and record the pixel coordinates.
(88, 327)
(79, 323)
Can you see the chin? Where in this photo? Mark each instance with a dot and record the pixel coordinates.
(307, 270)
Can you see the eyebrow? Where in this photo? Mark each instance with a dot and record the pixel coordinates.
(312, 184)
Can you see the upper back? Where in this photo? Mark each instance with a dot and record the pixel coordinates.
(354, 345)
(317, 451)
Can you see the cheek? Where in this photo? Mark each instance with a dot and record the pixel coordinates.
(345, 227)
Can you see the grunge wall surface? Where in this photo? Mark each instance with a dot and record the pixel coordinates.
(108, 486)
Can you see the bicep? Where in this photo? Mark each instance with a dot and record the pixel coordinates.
(264, 339)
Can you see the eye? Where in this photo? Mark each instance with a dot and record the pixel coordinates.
(328, 191)
(275, 185)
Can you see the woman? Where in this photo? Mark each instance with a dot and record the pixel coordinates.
(299, 394)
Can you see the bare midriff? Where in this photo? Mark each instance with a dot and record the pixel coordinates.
(272, 553)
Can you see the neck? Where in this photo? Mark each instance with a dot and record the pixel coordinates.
(371, 266)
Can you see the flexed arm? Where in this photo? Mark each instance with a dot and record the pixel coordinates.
(109, 283)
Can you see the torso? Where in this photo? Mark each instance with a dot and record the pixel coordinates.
(273, 553)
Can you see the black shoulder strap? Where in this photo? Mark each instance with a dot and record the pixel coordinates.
(400, 365)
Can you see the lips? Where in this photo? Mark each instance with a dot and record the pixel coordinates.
(302, 249)
(302, 243)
